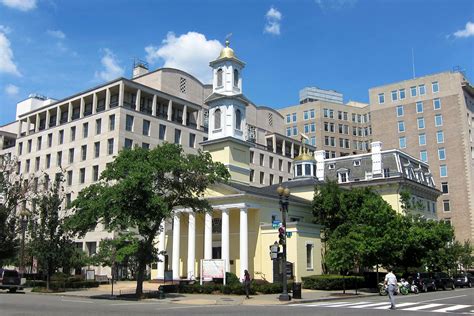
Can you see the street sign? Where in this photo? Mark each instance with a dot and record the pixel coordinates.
(276, 223)
(289, 234)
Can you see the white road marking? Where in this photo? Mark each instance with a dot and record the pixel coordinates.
(342, 304)
(135, 303)
(396, 305)
(441, 299)
(450, 308)
(370, 305)
(77, 301)
(417, 308)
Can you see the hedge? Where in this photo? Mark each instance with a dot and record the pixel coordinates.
(234, 288)
(332, 282)
(58, 285)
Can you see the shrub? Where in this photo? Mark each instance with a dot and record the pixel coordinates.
(268, 288)
(331, 282)
(231, 278)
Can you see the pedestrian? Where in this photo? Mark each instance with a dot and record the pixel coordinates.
(247, 283)
(391, 283)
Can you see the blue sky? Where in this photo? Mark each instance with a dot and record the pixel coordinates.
(58, 48)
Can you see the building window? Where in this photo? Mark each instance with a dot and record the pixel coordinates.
(438, 120)
(38, 143)
(401, 126)
(288, 118)
(343, 176)
(294, 117)
(162, 132)
(129, 123)
(48, 161)
(238, 120)
(128, 143)
(262, 177)
(413, 91)
(73, 133)
(420, 122)
(424, 156)
(59, 158)
(394, 95)
(96, 149)
(20, 148)
(311, 113)
(440, 137)
(306, 128)
(309, 257)
(37, 163)
(402, 94)
(95, 173)
(313, 140)
(98, 126)
(236, 78)
(305, 115)
(422, 89)
(288, 131)
(61, 137)
(252, 175)
(217, 119)
(437, 104)
(313, 127)
(444, 187)
(443, 171)
(145, 146)
(422, 139)
(71, 155)
(85, 130)
(219, 77)
(83, 152)
(400, 111)
(295, 130)
(146, 128)
(446, 207)
(177, 136)
(435, 87)
(69, 178)
(271, 179)
(112, 122)
(356, 163)
(262, 158)
(419, 107)
(82, 175)
(441, 154)
(110, 146)
(381, 98)
(50, 139)
(402, 142)
(192, 140)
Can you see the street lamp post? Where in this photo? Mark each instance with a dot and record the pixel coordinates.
(284, 194)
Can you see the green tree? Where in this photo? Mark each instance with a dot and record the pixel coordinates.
(140, 189)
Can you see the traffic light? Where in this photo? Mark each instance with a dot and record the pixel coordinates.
(281, 235)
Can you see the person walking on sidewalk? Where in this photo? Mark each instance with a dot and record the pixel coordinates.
(391, 282)
(247, 283)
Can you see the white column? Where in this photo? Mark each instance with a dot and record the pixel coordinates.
(176, 245)
(161, 247)
(28, 123)
(107, 99)
(20, 125)
(292, 150)
(185, 115)
(82, 108)
(153, 105)
(191, 245)
(283, 148)
(244, 245)
(208, 236)
(198, 119)
(58, 115)
(48, 117)
(69, 112)
(37, 124)
(170, 110)
(137, 100)
(94, 103)
(225, 238)
(274, 140)
(121, 94)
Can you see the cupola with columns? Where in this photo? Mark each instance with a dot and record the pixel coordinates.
(304, 165)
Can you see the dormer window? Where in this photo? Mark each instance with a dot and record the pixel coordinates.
(238, 120)
(343, 175)
(236, 78)
(356, 163)
(219, 77)
(217, 119)
(331, 166)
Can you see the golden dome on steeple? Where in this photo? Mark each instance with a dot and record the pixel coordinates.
(304, 152)
(227, 52)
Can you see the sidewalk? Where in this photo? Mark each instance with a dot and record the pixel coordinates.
(128, 287)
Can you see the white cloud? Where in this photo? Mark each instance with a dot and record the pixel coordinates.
(11, 90)
(467, 32)
(5, 29)
(190, 52)
(112, 69)
(273, 17)
(22, 5)
(335, 4)
(56, 34)
(6, 57)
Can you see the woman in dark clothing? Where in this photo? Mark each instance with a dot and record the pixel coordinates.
(247, 283)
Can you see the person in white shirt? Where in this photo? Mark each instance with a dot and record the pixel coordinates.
(391, 282)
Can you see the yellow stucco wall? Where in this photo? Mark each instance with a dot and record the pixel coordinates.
(233, 154)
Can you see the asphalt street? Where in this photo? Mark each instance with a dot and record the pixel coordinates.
(458, 302)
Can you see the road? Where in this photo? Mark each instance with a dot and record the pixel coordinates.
(460, 302)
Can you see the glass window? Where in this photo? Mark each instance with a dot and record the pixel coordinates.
(295, 130)
(402, 94)
(306, 128)
(446, 207)
(437, 104)
(435, 86)
(162, 132)
(421, 122)
(110, 146)
(419, 107)
(288, 131)
(424, 156)
(71, 155)
(313, 127)
(73, 133)
(217, 119)
(96, 149)
(177, 136)
(192, 140)
(111, 122)
(422, 139)
(50, 139)
(400, 111)
(288, 118)
(146, 128)
(309, 256)
(401, 126)
(85, 130)
(238, 120)
(95, 173)
(59, 158)
(83, 152)
(82, 175)
(394, 95)
(402, 142)
(311, 113)
(129, 123)
(443, 171)
(236, 78)
(421, 89)
(128, 143)
(413, 91)
(294, 117)
(441, 154)
(381, 98)
(438, 120)
(61, 136)
(440, 137)
(444, 187)
(306, 115)
(98, 126)
(38, 143)
(219, 77)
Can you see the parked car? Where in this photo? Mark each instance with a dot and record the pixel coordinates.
(443, 281)
(464, 279)
(10, 280)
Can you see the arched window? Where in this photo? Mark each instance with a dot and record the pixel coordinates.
(219, 77)
(236, 78)
(217, 119)
(238, 120)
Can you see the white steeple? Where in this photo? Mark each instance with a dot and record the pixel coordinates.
(227, 69)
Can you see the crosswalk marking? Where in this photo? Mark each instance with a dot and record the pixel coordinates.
(396, 305)
(370, 305)
(342, 304)
(417, 308)
(450, 308)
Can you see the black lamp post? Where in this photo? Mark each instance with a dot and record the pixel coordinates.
(284, 194)
(24, 214)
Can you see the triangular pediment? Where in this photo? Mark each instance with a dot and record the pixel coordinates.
(217, 96)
